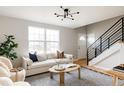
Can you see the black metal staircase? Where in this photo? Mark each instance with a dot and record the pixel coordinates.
(111, 36)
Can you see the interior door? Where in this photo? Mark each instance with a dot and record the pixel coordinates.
(81, 45)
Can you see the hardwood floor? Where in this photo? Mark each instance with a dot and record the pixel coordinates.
(82, 62)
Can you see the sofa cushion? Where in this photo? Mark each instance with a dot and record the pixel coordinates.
(6, 81)
(21, 83)
(6, 61)
(69, 56)
(51, 55)
(63, 60)
(4, 72)
(46, 63)
(41, 57)
(49, 63)
(4, 66)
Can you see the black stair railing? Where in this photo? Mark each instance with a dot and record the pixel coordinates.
(111, 36)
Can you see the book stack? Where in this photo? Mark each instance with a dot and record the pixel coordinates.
(119, 68)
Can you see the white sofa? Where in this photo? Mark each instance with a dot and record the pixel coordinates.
(45, 61)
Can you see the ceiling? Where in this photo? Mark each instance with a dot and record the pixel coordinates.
(45, 14)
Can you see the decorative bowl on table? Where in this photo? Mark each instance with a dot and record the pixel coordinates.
(59, 68)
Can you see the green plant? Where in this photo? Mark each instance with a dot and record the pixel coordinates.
(8, 46)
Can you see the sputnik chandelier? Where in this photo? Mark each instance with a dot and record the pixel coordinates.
(67, 14)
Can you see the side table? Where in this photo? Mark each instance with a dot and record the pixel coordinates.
(18, 74)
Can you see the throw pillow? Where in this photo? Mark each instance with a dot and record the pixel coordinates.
(60, 54)
(33, 57)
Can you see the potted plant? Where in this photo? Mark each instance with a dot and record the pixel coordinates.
(7, 48)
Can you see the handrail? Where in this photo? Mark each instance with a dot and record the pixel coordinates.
(108, 38)
(112, 34)
(106, 31)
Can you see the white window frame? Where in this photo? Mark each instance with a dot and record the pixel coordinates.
(45, 39)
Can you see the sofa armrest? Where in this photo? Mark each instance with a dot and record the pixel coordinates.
(26, 62)
(69, 56)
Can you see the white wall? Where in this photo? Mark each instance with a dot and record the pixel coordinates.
(110, 58)
(19, 28)
(95, 30)
(81, 50)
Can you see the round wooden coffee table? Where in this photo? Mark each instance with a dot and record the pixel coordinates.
(61, 73)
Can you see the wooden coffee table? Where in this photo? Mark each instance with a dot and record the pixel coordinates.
(62, 73)
(116, 75)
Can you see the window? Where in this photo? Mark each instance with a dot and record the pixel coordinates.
(43, 40)
(52, 40)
